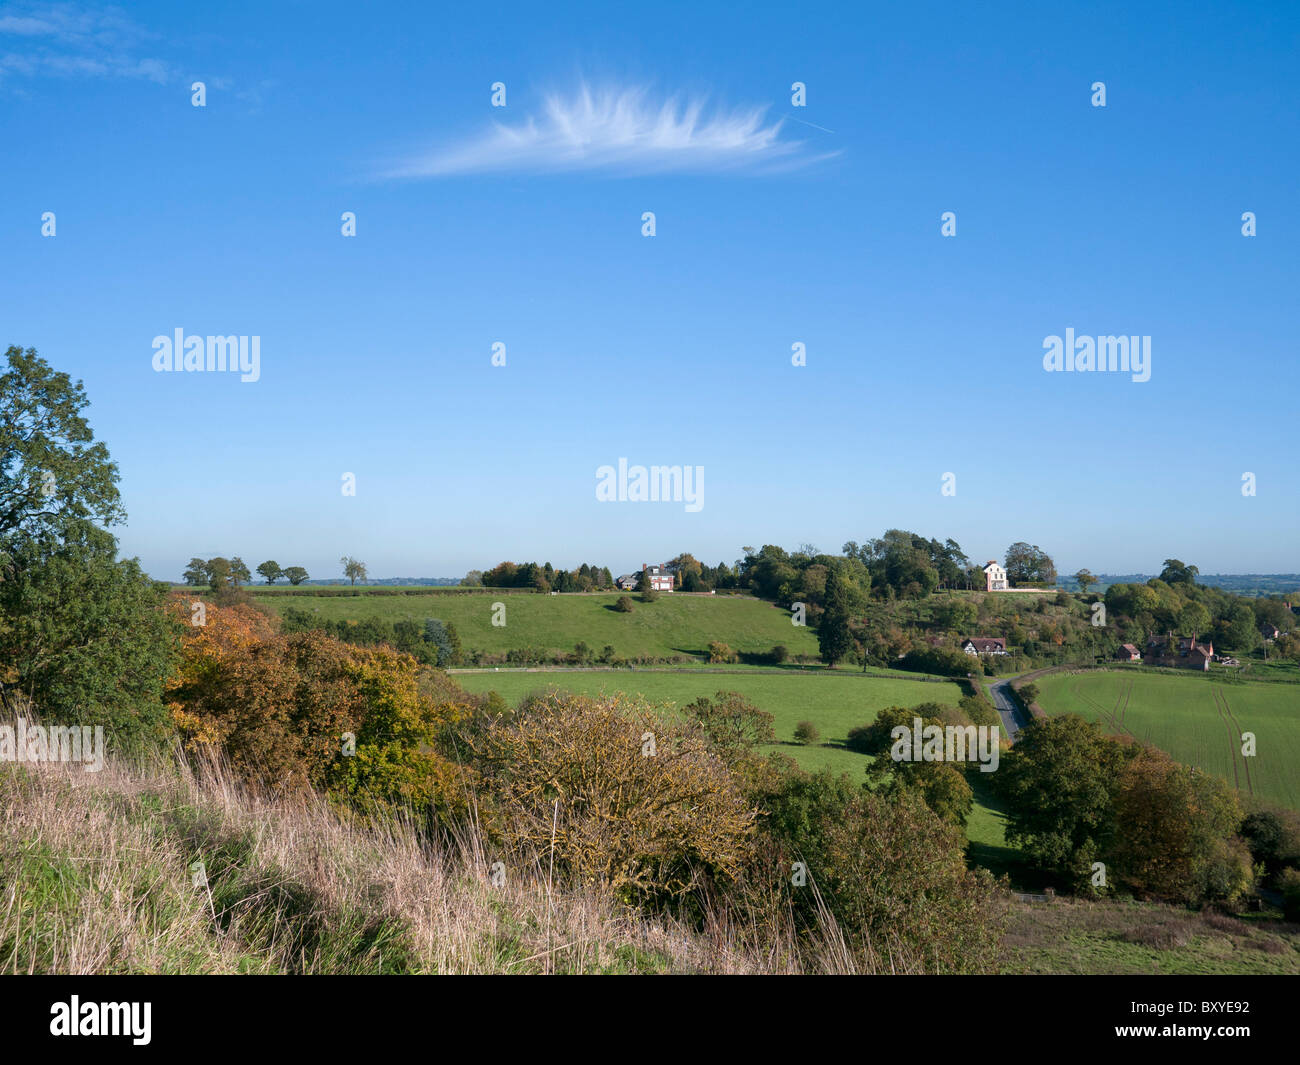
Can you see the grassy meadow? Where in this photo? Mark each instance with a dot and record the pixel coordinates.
(1195, 718)
(834, 703)
(673, 625)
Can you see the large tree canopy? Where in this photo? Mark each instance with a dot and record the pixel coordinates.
(51, 470)
(1027, 562)
(83, 637)
(81, 633)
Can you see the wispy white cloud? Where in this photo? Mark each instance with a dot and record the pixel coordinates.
(621, 131)
(67, 40)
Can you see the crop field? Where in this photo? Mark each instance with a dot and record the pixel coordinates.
(1196, 720)
(673, 625)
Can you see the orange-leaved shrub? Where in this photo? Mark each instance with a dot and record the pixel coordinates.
(621, 795)
(304, 709)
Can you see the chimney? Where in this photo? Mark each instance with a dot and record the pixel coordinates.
(642, 567)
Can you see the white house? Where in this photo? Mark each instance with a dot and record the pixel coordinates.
(984, 645)
(995, 578)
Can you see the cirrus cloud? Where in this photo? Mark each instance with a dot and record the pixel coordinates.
(623, 132)
(66, 40)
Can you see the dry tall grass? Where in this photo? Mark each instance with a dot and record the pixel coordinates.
(97, 875)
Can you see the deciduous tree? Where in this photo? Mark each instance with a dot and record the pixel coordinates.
(271, 571)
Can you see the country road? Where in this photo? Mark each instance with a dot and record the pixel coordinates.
(1013, 718)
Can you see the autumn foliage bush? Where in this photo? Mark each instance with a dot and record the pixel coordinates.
(1174, 832)
(620, 795)
(304, 710)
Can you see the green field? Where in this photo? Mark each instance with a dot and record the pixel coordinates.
(1195, 719)
(673, 625)
(834, 703)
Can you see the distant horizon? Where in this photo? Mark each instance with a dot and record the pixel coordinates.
(332, 581)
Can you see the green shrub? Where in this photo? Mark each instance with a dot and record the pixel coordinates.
(1288, 882)
(891, 873)
(721, 652)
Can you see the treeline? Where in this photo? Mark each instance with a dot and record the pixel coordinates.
(899, 564)
(435, 643)
(544, 578)
(1175, 602)
(219, 573)
(874, 605)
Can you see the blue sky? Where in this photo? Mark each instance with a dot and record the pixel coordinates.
(774, 225)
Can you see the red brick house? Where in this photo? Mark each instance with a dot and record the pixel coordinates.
(1186, 653)
(1128, 653)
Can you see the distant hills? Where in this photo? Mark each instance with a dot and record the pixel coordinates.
(1237, 583)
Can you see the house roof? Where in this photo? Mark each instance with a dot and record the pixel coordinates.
(986, 643)
(1185, 644)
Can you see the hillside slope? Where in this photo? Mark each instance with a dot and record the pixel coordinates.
(673, 625)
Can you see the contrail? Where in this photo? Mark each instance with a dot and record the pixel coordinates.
(813, 124)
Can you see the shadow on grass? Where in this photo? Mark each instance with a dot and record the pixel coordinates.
(1001, 859)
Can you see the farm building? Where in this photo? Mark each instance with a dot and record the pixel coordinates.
(1128, 653)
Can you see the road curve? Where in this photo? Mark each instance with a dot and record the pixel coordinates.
(1013, 718)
